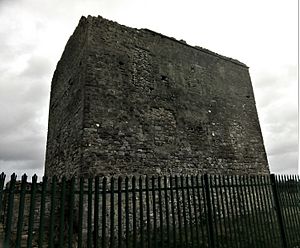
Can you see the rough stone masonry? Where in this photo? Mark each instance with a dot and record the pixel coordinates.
(133, 101)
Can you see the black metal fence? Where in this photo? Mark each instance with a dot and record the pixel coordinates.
(168, 211)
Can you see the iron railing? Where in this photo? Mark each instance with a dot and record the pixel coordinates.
(167, 211)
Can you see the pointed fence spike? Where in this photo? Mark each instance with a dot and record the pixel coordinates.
(13, 177)
(34, 177)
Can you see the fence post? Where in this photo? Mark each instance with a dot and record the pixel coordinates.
(2, 181)
(32, 210)
(71, 211)
(10, 208)
(42, 212)
(21, 210)
(96, 213)
(278, 210)
(211, 242)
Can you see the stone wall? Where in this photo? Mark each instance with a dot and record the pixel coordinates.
(66, 108)
(129, 101)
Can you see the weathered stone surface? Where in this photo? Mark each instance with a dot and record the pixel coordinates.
(129, 101)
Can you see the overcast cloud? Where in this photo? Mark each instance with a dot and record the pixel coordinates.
(260, 33)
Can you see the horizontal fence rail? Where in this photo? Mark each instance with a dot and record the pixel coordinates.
(165, 211)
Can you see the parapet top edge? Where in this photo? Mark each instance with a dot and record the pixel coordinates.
(204, 50)
(198, 48)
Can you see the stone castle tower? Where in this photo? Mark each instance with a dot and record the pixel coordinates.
(133, 101)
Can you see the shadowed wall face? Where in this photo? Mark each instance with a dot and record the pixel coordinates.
(134, 101)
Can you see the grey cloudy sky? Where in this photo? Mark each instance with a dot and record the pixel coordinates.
(260, 33)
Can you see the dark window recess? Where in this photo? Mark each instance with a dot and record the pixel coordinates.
(248, 96)
(121, 63)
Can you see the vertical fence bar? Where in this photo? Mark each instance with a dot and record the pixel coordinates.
(104, 182)
(141, 212)
(71, 211)
(202, 216)
(32, 211)
(282, 183)
(255, 204)
(211, 240)
(21, 210)
(62, 212)
(275, 235)
(96, 213)
(283, 190)
(263, 215)
(195, 211)
(190, 210)
(119, 212)
(214, 211)
(42, 212)
(242, 193)
(134, 212)
(235, 216)
(148, 212)
(127, 212)
(184, 211)
(252, 209)
(232, 210)
(278, 210)
(95, 234)
(160, 213)
(226, 231)
(178, 212)
(112, 212)
(228, 209)
(2, 181)
(167, 210)
(11, 192)
(2, 189)
(269, 211)
(173, 211)
(293, 196)
(218, 207)
(89, 213)
(52, 211)
(154, 212)
(297, 184)
(242, 211)
(250, 224)
(260, 209)
(291, 209)
(80, 211)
